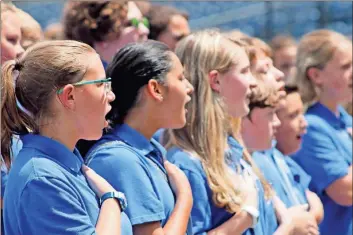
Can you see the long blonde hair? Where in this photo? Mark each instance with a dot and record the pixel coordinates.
(208, 124)
(315, 49)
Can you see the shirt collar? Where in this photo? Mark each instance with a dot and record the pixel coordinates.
(54, 150)
(329, 116)
(133, 138)
(236, 148)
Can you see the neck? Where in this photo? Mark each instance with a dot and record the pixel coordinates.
(65, 136)
(146, 124)
(330, 103)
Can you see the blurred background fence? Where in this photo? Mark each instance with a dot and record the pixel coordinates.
(258, 18)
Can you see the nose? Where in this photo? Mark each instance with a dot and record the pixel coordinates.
(279, 75)
(111, 96)
(276, 122)
(189, 87)
(303, 122)
(19, 50)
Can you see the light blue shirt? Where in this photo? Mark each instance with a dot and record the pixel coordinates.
(325, 155)
(158, 135)
(15, 147)
(205, 215)
(47, 192)
(287, 178)
(134, 165)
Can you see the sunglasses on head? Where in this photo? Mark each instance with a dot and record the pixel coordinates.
(135, 22)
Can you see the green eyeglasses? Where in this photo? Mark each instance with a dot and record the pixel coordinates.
(135, 22)
(106, 81)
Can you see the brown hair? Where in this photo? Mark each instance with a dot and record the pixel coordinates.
(54, 32)
(282, 41)
(263, 95)
(256, 46)
(29, 83)
(94, 21)
(235, 34)
(159, 17)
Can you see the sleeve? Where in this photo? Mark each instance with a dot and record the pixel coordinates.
(320, 158)
(49, 206)
(4, 177)
(201, 210)
(123, 169)
(201, 214)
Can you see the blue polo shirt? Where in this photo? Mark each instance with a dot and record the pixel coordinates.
(325, 155)
(287, 178)
(205, 215)
(47, 192)
(134, 165)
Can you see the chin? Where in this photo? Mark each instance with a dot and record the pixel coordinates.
(180, 124)
(242, 113)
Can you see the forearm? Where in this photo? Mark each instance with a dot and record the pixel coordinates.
(340, 190)
(237, 224)
(178, 220)
(316, 207)
(109, 218)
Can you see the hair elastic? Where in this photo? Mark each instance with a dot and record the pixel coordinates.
(15, 75)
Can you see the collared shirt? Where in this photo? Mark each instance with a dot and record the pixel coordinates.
(287, 178)
(205, 215)
(134, 166)
(326, 154)
(15, 148)
(158, 135)
(47, 192)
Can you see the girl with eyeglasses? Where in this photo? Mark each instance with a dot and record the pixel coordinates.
(148, 80)
(52, 96)
(107, 26)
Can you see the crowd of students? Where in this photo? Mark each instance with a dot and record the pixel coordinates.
(128, 123)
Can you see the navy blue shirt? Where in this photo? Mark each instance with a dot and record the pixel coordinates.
(134, 165)
(47, 192)
(205, 215)
(325, 155)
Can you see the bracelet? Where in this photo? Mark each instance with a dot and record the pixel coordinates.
(119, 196)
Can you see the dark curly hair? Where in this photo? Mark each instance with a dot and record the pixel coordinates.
(159, 17)
(94, 21)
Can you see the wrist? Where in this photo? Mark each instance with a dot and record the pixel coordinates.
(119, 197)
(253, 213)
(246, 218)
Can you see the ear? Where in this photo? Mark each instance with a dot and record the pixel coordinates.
(154, 89)
(314, 75)
(67, 97)
(214, 80)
